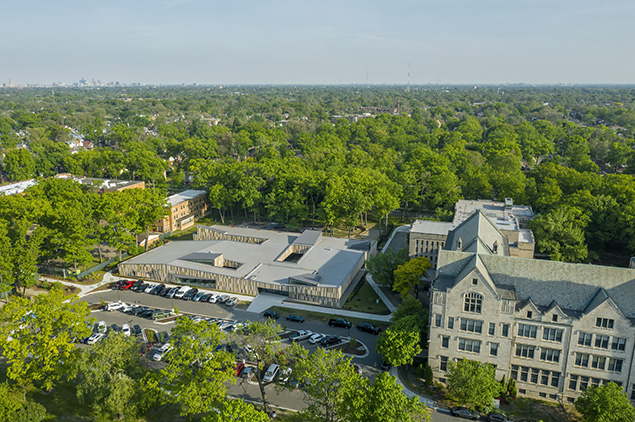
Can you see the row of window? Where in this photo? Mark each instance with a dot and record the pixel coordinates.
(602, 341)
(598, 362)
(535, 376)
(546, 354)
(581, 383)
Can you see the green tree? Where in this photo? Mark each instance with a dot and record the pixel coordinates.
(409, 306)
(198, 370)
(19, 164)
(606, 403)
(472, 382)
(400, 343)
(36, 336)
(383, 265)
(8, 403)
(408, 276)
(560, 235)
(235, 410)
(109, 376)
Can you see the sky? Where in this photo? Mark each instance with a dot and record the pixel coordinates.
(318, 42)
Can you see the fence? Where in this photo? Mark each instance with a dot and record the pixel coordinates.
(98, 267)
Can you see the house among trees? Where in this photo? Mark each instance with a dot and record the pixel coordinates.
(556, 328)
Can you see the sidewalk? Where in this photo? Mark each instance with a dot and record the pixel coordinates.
(381, 294)
(425, 400)
(319, 309)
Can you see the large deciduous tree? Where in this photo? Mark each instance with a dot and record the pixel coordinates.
(400, 343)
(560, 235)
(606, 403)
(383, 265)
(408, 276)
(471, 382)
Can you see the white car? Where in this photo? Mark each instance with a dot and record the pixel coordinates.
(94, 338)
(102, 327)
(149, 288)
(161, 352)
(315, 338)
(213, 298)
(115, 306)
(301, 335)
(179, 294)
(271, 373)
(125, 329)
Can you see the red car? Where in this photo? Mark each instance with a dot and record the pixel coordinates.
(128, 285)
(239, 367)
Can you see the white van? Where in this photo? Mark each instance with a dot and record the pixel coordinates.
(271, 373)
(179, 294)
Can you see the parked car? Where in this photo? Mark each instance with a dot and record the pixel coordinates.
(115, 306)
(271, 314)
(357, 369)
(125, 329)
(339, 322)
(146, 314)
(498, 417)
(464, 412)
(190, 294)
(213, 298)
(204, 297)
(284, 376)
(295, 318)
(172, 292)
(164, 291)
(271, 373)
(222, 298)
(136, 329)
(157, 289)
(330, 341)
(150, 287)
(136, 311)
(128, 285)
(300, 335)
(315, 338)
(94, 338)
(141, 287)
(136, 285)
(102, 327)
(239, 368)
(180, 291)
(159, 313)
(231, 301)
(198, 296)
(247, 372)
(368, 327)
(161, 352)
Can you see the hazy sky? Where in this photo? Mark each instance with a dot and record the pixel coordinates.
(321, 42)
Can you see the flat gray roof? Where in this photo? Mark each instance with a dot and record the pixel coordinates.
(329, 258)
(432, 227)
(177, 198)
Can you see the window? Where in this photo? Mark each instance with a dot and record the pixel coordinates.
(584, 383)
(437, 320)
(473, 302)
(524, 373)
(521, 391)
(493, 349)
(450, 323)
(602, 341)
(598, 362)
(534, 375)
(553, 396)
(584, 339)
(468, 345)
(544, 379)
(554, 318)
(444, 363)
(550, 355)
(471, 325)
(474, 281)
(573, 382)
(505, 330)
(543, 395)
(529, 314)
(525, 351)
(619, 343)
(492, 329)
(514, 373)
(582, 359)
(552, 334)
(615, 365)
(555, 379)
(445, 342)
(633, 392)
(526, 330)
(604, 323)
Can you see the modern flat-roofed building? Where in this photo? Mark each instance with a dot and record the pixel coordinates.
(556, 328)
(307, 267)
(428, 237)
(185, 208)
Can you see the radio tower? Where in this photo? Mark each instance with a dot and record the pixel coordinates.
(408, 87)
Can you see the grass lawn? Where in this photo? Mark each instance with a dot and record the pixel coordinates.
(365, 299)
(536, 410)
(322, 317)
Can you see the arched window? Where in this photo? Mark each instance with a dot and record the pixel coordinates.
(473, 302)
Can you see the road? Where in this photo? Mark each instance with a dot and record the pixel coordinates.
(250, 392)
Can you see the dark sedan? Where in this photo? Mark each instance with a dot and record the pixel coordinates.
(464, 412)
(339, 322)
(368, 327)
(271, 314)
(498, 417)
(295, 318)
(330, 341)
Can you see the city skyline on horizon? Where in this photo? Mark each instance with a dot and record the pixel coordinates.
(454, 42)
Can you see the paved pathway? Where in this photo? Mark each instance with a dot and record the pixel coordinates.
(264, 301)
(336, 312)
(381, 294)
(425, 400)
(397, 239)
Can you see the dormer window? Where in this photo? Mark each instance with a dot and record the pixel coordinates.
(495, 247)
(474, 281)
(554, 318)
(529, 314)
(473, 303)
(604, 323)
